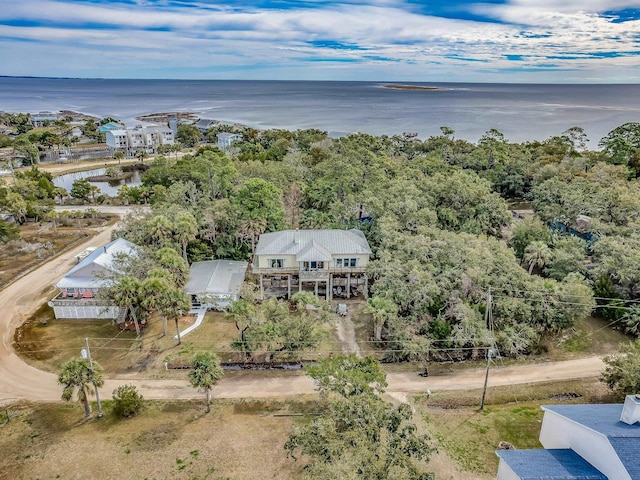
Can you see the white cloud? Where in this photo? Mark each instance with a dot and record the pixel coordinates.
(208, 35)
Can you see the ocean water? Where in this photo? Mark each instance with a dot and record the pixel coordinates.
(520, 111)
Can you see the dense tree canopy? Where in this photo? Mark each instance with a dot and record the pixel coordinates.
(435, 212)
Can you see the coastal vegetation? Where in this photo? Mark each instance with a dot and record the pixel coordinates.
(436, 214)
(454, 271)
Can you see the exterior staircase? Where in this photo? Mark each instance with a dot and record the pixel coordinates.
(122, 315)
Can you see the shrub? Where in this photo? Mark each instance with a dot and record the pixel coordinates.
(127, 402)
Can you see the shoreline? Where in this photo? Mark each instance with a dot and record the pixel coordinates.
(411, 87)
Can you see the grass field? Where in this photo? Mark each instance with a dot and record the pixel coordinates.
(169, 440)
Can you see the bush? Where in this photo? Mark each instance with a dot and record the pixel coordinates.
(622, 371)
(127, 402)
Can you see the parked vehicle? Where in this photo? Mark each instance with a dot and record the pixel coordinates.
(342, 309)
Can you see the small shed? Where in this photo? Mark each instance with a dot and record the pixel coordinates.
(215, 283)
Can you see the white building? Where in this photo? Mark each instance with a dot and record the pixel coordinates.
(225, 139)
(145, 138)
(215, 283)
(581, 442)
(80, 286)
(329, 261)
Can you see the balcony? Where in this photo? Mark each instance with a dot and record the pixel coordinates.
(76, 302)
(304, 273)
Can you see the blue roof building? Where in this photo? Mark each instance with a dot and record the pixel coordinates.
(582, 442)
(549, 464)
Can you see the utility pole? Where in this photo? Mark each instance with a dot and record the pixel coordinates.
(489, 322)
(486, 378)
(86, 353)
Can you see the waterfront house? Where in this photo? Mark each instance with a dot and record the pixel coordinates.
(215, 283)
(79, 288)
(225, 139)
(581, 442)
(42, 119)
(130, 141)
(327, 262)
(205, 124)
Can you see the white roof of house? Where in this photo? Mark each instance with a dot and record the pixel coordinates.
(115, 132)
(227, 135)
(216, 277)
(307, 243)
(205, 123)
(102, 260)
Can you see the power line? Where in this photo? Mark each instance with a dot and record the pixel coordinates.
(311, 351)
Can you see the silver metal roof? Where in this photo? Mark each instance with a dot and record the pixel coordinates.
(84, 274)
(293, 242)
(226, 135)
(312, 251)
(216, 276)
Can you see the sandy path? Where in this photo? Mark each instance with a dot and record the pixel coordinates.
(19, 380)
(347, 335)
(17, 302)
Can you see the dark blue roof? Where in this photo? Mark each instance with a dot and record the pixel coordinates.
(628, 450)
(604, 419)
(551, 464)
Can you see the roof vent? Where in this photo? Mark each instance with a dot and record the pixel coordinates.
(631, 410)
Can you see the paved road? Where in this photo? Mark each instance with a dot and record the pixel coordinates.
(19, 380)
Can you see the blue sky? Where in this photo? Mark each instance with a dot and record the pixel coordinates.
(545, 41)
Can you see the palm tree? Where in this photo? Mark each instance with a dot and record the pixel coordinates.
(185, 230)
(537, 254)
(126, 293)
(152, 289)
(94, 190)
(60, 193)
(172, 304)
(381, 310)
(78, 374)
(141, 155)
(118, 155)
(171, 261)
(177, 148)
(205, 372)
(160, 229)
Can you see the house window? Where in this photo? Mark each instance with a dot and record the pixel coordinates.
(276, 263)
(313, 265)
(346, 262)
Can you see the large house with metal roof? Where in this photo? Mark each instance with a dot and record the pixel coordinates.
(328, 262)
(80, 286)
(215, 283)
(581, 442)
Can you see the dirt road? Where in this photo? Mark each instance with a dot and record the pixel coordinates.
(19, 380)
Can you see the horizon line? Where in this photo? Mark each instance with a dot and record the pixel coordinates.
(394, 82)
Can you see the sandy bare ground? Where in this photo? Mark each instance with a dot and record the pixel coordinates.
(347, 335)
(19, 380)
